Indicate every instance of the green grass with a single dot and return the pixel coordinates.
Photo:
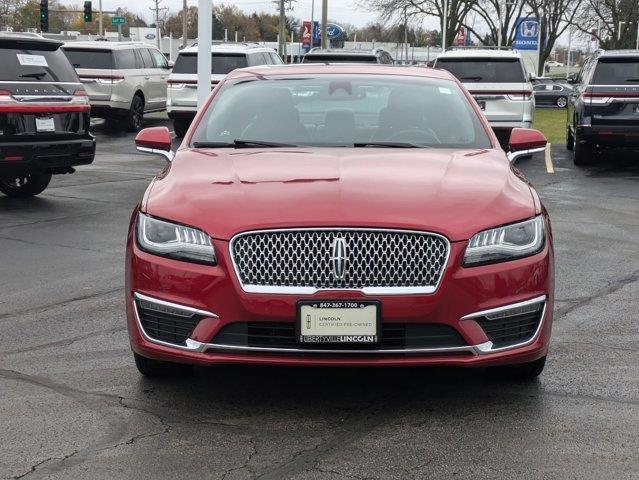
(552, 123)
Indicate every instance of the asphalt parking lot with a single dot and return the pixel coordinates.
(74, 406)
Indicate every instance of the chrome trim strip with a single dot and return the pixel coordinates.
(365, 290)
(167, 154)
(512, 156)
(510, 307)
(177, 306)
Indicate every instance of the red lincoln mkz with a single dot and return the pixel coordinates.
(340, 215)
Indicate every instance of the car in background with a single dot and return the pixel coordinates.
(553, 64)
(552, 94)
(44, 115)
(343, 55)
(125, 80)
(340, 215)
(537, 80)
(181, 104)
(499, 83)
(603, 108)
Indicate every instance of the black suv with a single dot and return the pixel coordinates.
(343, 55)
(44, 115)
(603, 108)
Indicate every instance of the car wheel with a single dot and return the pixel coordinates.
(561, 102)
(135, 116)
(524, 371)
(156, 368)
(180, 126)
(583, 152)
(570, 140)
(24, 186)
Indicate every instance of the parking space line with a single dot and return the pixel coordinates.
(549, 166)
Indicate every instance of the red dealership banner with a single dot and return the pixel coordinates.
(306, 36)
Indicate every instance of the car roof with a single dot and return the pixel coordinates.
(479, 52)
(342, 68)
(343, 51)
(619, 53)
(27, 40)
(107, 45)
(231, 48)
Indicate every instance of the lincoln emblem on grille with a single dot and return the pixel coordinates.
(339, 258)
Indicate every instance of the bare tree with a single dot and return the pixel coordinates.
(499, 17)
(612, 22)
(555, 17)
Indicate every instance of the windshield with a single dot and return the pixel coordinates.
(36, 66)
(342, 110)
(617, 71)
(340, 58)
(484, 70)
(90, 58)
(221, 63)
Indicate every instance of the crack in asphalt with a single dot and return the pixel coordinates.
(38, 244)
(44, 308)
(612, 287)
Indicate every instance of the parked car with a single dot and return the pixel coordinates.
(537, 80)
(124, 80)
(343, 55)
(340, 215)
(553, 64)
(44, 115)
(182, 84)
(499, 83)
(603, 107)
(552, 94)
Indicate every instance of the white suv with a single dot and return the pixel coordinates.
(124, 80)
(181, 104)
(499, 83)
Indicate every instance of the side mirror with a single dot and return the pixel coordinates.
(170, 64)
(155, 140)
(532, 77)
(525, 141)
(571, 79)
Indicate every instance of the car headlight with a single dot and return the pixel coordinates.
(506, 243)
(175, 241)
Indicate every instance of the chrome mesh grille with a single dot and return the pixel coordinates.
(374, 259)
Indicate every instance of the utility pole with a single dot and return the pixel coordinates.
(444, 18)
(204, 36)
(281, 37)
(324, 23)
(100, 27)
(156, 13)
(405, 35)
(185, 11)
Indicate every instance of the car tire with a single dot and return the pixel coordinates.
(561, 102)
(524, 371)
(25, 186)
(570, 140)
(156, 368)
(583, 152)
(135, 116)
(180, 127)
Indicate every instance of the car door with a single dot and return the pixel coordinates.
(159, 76)
(148, 67)
(541, 96)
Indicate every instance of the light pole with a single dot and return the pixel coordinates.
(204, 31)
(281, 46)
(100, 29)
(324, 23)
(444, 17)
(185, 9)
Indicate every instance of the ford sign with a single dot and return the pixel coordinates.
(150, 36)
(334, 32)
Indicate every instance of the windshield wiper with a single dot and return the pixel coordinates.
(239, 143)
(36, 75)
(471, 78)
(389, 145)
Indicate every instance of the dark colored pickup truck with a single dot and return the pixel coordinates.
(44, 115)
(603, 108)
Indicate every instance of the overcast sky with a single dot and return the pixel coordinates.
(338, 10)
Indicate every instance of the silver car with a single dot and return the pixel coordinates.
(499, 83)
(181, 105)
(124, 80)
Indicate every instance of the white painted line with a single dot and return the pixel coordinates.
(549, 166)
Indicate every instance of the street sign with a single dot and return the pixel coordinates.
(118, 20)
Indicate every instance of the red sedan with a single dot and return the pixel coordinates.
(340, 215)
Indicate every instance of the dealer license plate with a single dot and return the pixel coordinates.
(44, 124)
(338, 321)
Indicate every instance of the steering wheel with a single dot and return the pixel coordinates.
(414, 136)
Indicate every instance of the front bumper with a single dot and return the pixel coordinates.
(463, 294)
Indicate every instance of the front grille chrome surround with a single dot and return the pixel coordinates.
(378, 261)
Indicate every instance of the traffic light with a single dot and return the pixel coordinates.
(88, 12)
(44, 15)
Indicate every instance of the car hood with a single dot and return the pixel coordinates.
(453, 192)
